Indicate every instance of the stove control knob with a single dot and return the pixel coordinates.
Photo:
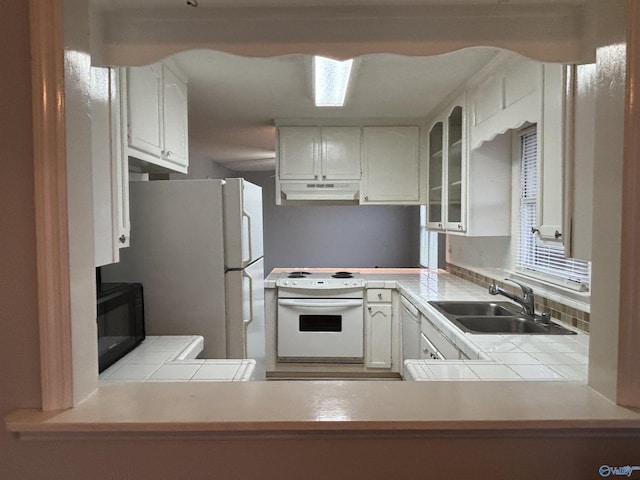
(346, 283)
(285, 282)
(294, 283)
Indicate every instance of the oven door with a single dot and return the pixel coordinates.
(320, 330)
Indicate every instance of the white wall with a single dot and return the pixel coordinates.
(489, 252)
(336, 235)
(480, 252)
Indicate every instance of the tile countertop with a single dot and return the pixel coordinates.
(172, 358)
(492, 357)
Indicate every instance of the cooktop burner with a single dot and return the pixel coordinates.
(342, 275)
(320, 280)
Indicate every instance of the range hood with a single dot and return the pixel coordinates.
(321, 190)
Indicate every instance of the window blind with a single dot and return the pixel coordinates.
(534, 256)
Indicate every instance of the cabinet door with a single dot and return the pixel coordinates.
(551, 154)
(145, 108)
(176, 131)
(435, 219)
(392, 165)
(455, 171)
(109, 168)
(341, 153)
(378, 336)
(119, 156)
(298, 153)
(442, 344)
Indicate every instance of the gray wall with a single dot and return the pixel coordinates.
(336, 235)
(203, 168)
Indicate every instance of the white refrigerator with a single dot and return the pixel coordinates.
(196, 247)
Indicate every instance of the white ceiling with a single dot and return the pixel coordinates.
(233, 100)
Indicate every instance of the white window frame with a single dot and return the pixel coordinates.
(534, 257)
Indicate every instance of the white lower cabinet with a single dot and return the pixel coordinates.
(410, 327)
(378, 329)
(434, 341)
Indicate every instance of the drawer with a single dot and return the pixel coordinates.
(378, 295)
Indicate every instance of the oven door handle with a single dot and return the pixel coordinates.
(332, 304)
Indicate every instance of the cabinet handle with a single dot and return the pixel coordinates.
(169, 153)
(366, 197)
(369, 308)
(439, 225)
(324, 177)
(379, 296)
(557, 234)
(123, 239)
(459, 226)
(535, 230)
(315, 177)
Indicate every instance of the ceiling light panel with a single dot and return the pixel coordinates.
(331, 79)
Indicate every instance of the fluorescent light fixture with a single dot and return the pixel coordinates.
(330, 81)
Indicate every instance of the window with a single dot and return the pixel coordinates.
(428, 242)
(544, 260)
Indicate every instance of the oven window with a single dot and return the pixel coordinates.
(320, 323)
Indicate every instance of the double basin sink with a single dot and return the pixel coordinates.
(496, 318)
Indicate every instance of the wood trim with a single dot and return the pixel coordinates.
(628, 391)
(50, 179)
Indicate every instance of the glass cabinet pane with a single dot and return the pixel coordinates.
(454, 166)
(435, 173)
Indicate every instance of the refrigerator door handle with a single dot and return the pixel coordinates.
(249, 240)
(248, 321)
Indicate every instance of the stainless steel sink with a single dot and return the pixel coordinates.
(513, 325)
(477, 308)
(495, 318)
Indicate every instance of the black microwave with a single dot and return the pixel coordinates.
(120, 321)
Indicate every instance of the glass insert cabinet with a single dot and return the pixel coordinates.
(447, 166)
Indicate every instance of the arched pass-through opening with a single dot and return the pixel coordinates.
(125, 42)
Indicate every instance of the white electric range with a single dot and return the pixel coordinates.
(320, 317)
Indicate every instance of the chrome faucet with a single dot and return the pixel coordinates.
(526, 301)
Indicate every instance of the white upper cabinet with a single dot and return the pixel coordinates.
(581, 103)
(436, 200)
(176, 122)
(354, 164)
(144, 109)
(391, 165)
(340, 153)
(319, 153)
(156, 119)
(551, 146)
(110, 169)
(448, 170)
(456, 173)
(298, 153)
